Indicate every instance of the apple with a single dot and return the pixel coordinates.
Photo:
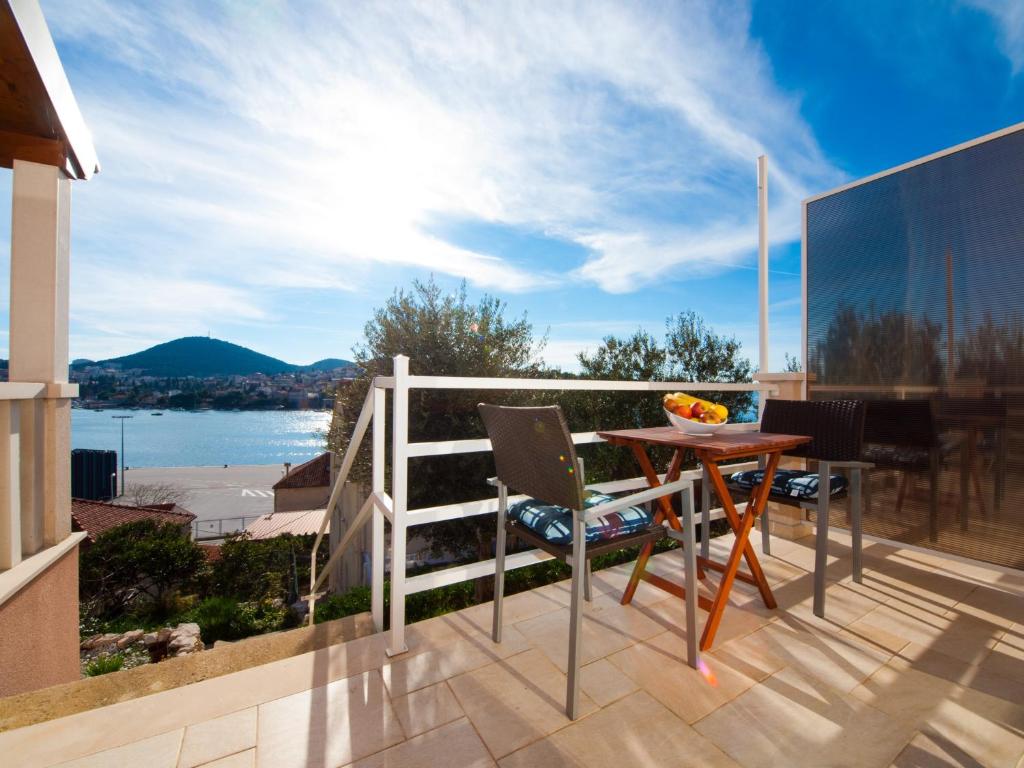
(683, 410)
(697, 409)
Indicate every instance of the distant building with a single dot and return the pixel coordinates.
(307, 486)
(304, 522)
(97, 517)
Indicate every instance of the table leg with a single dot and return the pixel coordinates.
(665, 512)
(741, 546)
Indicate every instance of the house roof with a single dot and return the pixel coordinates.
(302, 523)
(315, 473)
(97, 517)
(39, 117)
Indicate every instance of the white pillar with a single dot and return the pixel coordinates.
(399, 499)
(40, 293)
(377, 534)
(762, 259)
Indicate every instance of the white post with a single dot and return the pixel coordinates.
(40, 265)
(762, 267)
(10, 499)
(377, 532)
(399, 499)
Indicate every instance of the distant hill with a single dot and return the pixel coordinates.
(202, 356)
(327, 364)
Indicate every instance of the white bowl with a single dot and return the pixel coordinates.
(693, 427)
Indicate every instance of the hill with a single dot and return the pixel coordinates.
(327, 364)
(200, 356)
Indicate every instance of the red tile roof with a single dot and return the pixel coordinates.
(315, 473)
(97, 517)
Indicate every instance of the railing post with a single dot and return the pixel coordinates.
(10, 497)
(399, 498)
(377, 531)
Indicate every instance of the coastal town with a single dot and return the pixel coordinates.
(111, 387)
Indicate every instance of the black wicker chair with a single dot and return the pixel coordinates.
(837, 429)
(534, 455)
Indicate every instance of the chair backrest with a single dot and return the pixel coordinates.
(534, 453)
(903, 423)
(835, 426)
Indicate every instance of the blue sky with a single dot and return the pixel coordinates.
(272, 171)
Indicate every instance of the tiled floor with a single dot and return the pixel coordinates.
(921, 665)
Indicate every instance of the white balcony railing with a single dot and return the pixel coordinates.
(35, 482)
(393, 506)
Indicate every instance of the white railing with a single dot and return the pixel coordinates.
(35, 482)
(393, 507)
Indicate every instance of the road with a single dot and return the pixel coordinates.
(217, 492)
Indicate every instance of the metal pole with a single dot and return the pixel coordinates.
(122, 418)
(762, 258)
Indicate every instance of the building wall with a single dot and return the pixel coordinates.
(39, 630)
(295, 499)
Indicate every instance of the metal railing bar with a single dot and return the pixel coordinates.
(596, 385)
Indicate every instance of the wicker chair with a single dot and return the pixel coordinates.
(837, 429)
(534, 455)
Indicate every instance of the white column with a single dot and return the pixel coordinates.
(377, 532)
(40, 277)
(762, 263)
(399, 498)
(10, 498)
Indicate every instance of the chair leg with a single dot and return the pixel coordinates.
(821, 539)
(579, 554)
(588, 595)
(705, 514)
(933, 496)
(690, 559)
(499, 562)
(766, 538)
(855, 523)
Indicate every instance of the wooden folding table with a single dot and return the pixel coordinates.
(710, 450)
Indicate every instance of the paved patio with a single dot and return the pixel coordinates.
(921, 665)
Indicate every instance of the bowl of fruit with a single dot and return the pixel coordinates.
(695, 416)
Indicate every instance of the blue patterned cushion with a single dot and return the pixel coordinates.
(555, 523)
(790, 482)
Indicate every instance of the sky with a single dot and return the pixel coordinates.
(273, 171)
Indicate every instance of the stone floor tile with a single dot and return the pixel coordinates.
(1004, 609)
(659, 667)
(794, 721)
(426, 709)
(403, 674)
(455, 745)
(205, 742)
(327, 726)
(988, 728)
(927, 751)
(516, 701)
(245, 759)
(992, 680)
(636, 731)
(1007, 658)
(155, 752)
(606, 627)
(962, 637)
(603, 682)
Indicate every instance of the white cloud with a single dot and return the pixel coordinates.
(1009, 18)
(268, 145)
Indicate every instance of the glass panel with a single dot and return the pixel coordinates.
(915, 303)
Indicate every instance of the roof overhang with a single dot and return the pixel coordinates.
(39, 117)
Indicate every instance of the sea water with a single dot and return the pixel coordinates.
(203, 438)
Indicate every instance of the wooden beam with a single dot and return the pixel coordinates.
(20, 146)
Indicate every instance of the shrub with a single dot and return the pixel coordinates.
(104, 664)
(135, 563)
(224, 618)
(263, 569)
(356, 600)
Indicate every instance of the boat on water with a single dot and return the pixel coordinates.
(157, 413)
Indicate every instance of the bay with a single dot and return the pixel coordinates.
(203, 438)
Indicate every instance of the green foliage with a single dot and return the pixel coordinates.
(696, 353)
(263, 569)
(793, 364)
(224, 618)
(138, 563)
(356, 600)
(104, 664)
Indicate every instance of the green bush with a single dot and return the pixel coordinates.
(224, 618)
(356, 600)
(263, 569)
(104, 664)
(138, 565)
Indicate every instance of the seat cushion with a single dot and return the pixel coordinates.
(554, 524)
(789, 482)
